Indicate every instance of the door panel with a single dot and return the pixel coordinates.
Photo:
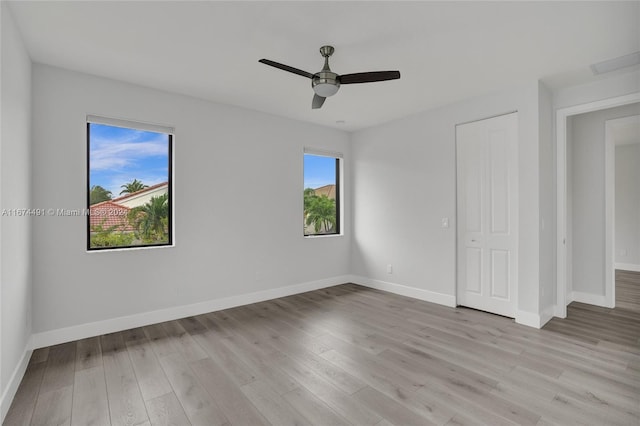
(500, 274)
(487, 238)
(499, 183)
(474, 270)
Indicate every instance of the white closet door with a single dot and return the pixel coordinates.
(487, 185)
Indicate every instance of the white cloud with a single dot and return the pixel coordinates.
(109, 155)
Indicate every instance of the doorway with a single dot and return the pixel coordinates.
(565, 262)
(622, 137)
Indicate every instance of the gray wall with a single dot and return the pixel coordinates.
(404, 183)
(585, 152)
(15, 193)
(547, 196)
(627, 232)
(238, 204)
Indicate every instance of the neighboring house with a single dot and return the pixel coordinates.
(143, 196)
(328, 190)
(115, 212)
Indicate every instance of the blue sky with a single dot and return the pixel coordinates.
(319, 171)
(118, 155)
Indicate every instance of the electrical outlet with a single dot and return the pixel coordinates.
(389, 269)
(445, 222)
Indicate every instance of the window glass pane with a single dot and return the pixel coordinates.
(321, 195)
(129, 187)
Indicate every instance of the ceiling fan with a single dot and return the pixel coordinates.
(326, 83)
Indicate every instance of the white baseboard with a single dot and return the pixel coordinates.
(547, 314)
(534, 320)
(68, 334)
(529, 319)
(559, 312)
(14, 382)
(589, 298)
(403, 290)
(627, 267)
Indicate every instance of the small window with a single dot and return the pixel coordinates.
(321, 209)
(129, 187)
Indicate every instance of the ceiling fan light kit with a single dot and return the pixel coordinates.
(326, 83)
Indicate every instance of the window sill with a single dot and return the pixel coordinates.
(311, 237)
(109, 250)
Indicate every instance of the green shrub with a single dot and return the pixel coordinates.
(105, 239)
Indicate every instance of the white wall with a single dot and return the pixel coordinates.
(627, 223)
(547, 203)
(585, 151)
(238, 200)
(404, 184)
(15, 192)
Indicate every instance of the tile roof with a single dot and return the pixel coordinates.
(328, 190)
(108, 214)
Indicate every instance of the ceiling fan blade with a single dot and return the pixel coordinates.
(369, 77)
(317, 101)
(286, 68)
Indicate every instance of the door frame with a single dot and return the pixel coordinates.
(563, 279)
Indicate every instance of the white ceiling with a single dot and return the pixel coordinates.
(445, 51)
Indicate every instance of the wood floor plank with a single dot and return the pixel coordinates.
(151, 378)
(189, 349)
(192, 326)
(166, 410)
(213, 324)
(39, 355)
(389, 409)
(237, 370)
(21, 410)
(60, 367)
(88, 353)
(337, 400)
(53, 408)
(253, 358)
(273, 406)
(376, 372)
(126, 405)
(313, 408)
(162, 344)
(226, 392)
(90, 405)
(198, 405)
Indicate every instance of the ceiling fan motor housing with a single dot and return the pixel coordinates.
(325, 83)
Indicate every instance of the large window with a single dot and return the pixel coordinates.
(129, 188)
(321, 209)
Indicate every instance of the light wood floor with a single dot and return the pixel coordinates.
(339, 356)
(628, 290)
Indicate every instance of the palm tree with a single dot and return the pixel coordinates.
(309, 196)
(133, 186)
(98, 194)
(151, 219)
(322, 214)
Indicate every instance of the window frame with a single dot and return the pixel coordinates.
(132, 125)
(339, 158)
